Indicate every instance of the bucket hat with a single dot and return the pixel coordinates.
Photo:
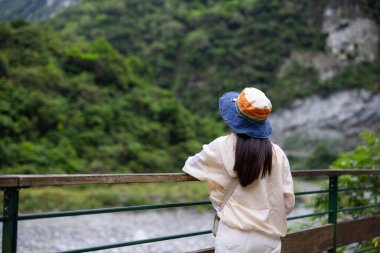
(247, 112)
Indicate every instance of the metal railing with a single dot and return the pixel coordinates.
(12, 184)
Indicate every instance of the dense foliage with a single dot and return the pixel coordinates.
(366, 156)
(200, 49)
(97, 94)
(69, 108)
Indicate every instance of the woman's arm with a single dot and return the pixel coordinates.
(200, 164)
(287, 180)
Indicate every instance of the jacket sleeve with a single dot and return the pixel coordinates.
(287, 180)
(200, 164)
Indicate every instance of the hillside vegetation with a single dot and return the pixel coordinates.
(200, 49)
(74, 108)
(132, 86)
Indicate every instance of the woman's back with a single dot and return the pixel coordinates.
(253, 217)
(261, 205)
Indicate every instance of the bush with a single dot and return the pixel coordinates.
(366, 156)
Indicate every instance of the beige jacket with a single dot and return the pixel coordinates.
(262, 205)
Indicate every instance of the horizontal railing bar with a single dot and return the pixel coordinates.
(311, 192)
(160, 206)
(119, 245)
(81, 179)
(326, 172)
(107, 210)
(148, 207)
(357, 207)
(368, 249)
(356, 189)
(9, 181)
(309, 215)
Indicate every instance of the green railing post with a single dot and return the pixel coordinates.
(333, 207)
(10, 213)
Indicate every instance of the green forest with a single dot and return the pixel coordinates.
(200, 49)
(132, 86)
(71, 108)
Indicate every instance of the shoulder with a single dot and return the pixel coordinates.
(223, 140)
(278, 152)
(277, 148)
(280, 157)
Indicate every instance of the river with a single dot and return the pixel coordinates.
(65, 233)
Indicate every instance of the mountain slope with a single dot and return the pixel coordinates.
(67, 108)
(199, 49)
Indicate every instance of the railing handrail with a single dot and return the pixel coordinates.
(11, 184)
(21, 181)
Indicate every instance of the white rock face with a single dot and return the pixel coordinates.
(351, 35)
(355, 39)
(50, 7)
(339, 116)
(61, 3)
(352, 38)
(327, 65)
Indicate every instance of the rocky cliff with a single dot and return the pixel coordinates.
(338, 117)
(31, 10)
(351, 38)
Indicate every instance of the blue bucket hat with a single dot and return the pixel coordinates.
(247, 112)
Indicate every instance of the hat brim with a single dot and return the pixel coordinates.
(237, 123)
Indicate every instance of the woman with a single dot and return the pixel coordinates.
(254, 215)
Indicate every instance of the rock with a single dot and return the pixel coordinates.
(351, 35)
(352, 38)
(337, 117)
(61, 3)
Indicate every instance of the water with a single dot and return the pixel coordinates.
(65, 233)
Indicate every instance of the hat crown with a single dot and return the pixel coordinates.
(257, 98)
(253, 105)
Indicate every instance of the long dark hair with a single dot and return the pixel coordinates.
(253, 157)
